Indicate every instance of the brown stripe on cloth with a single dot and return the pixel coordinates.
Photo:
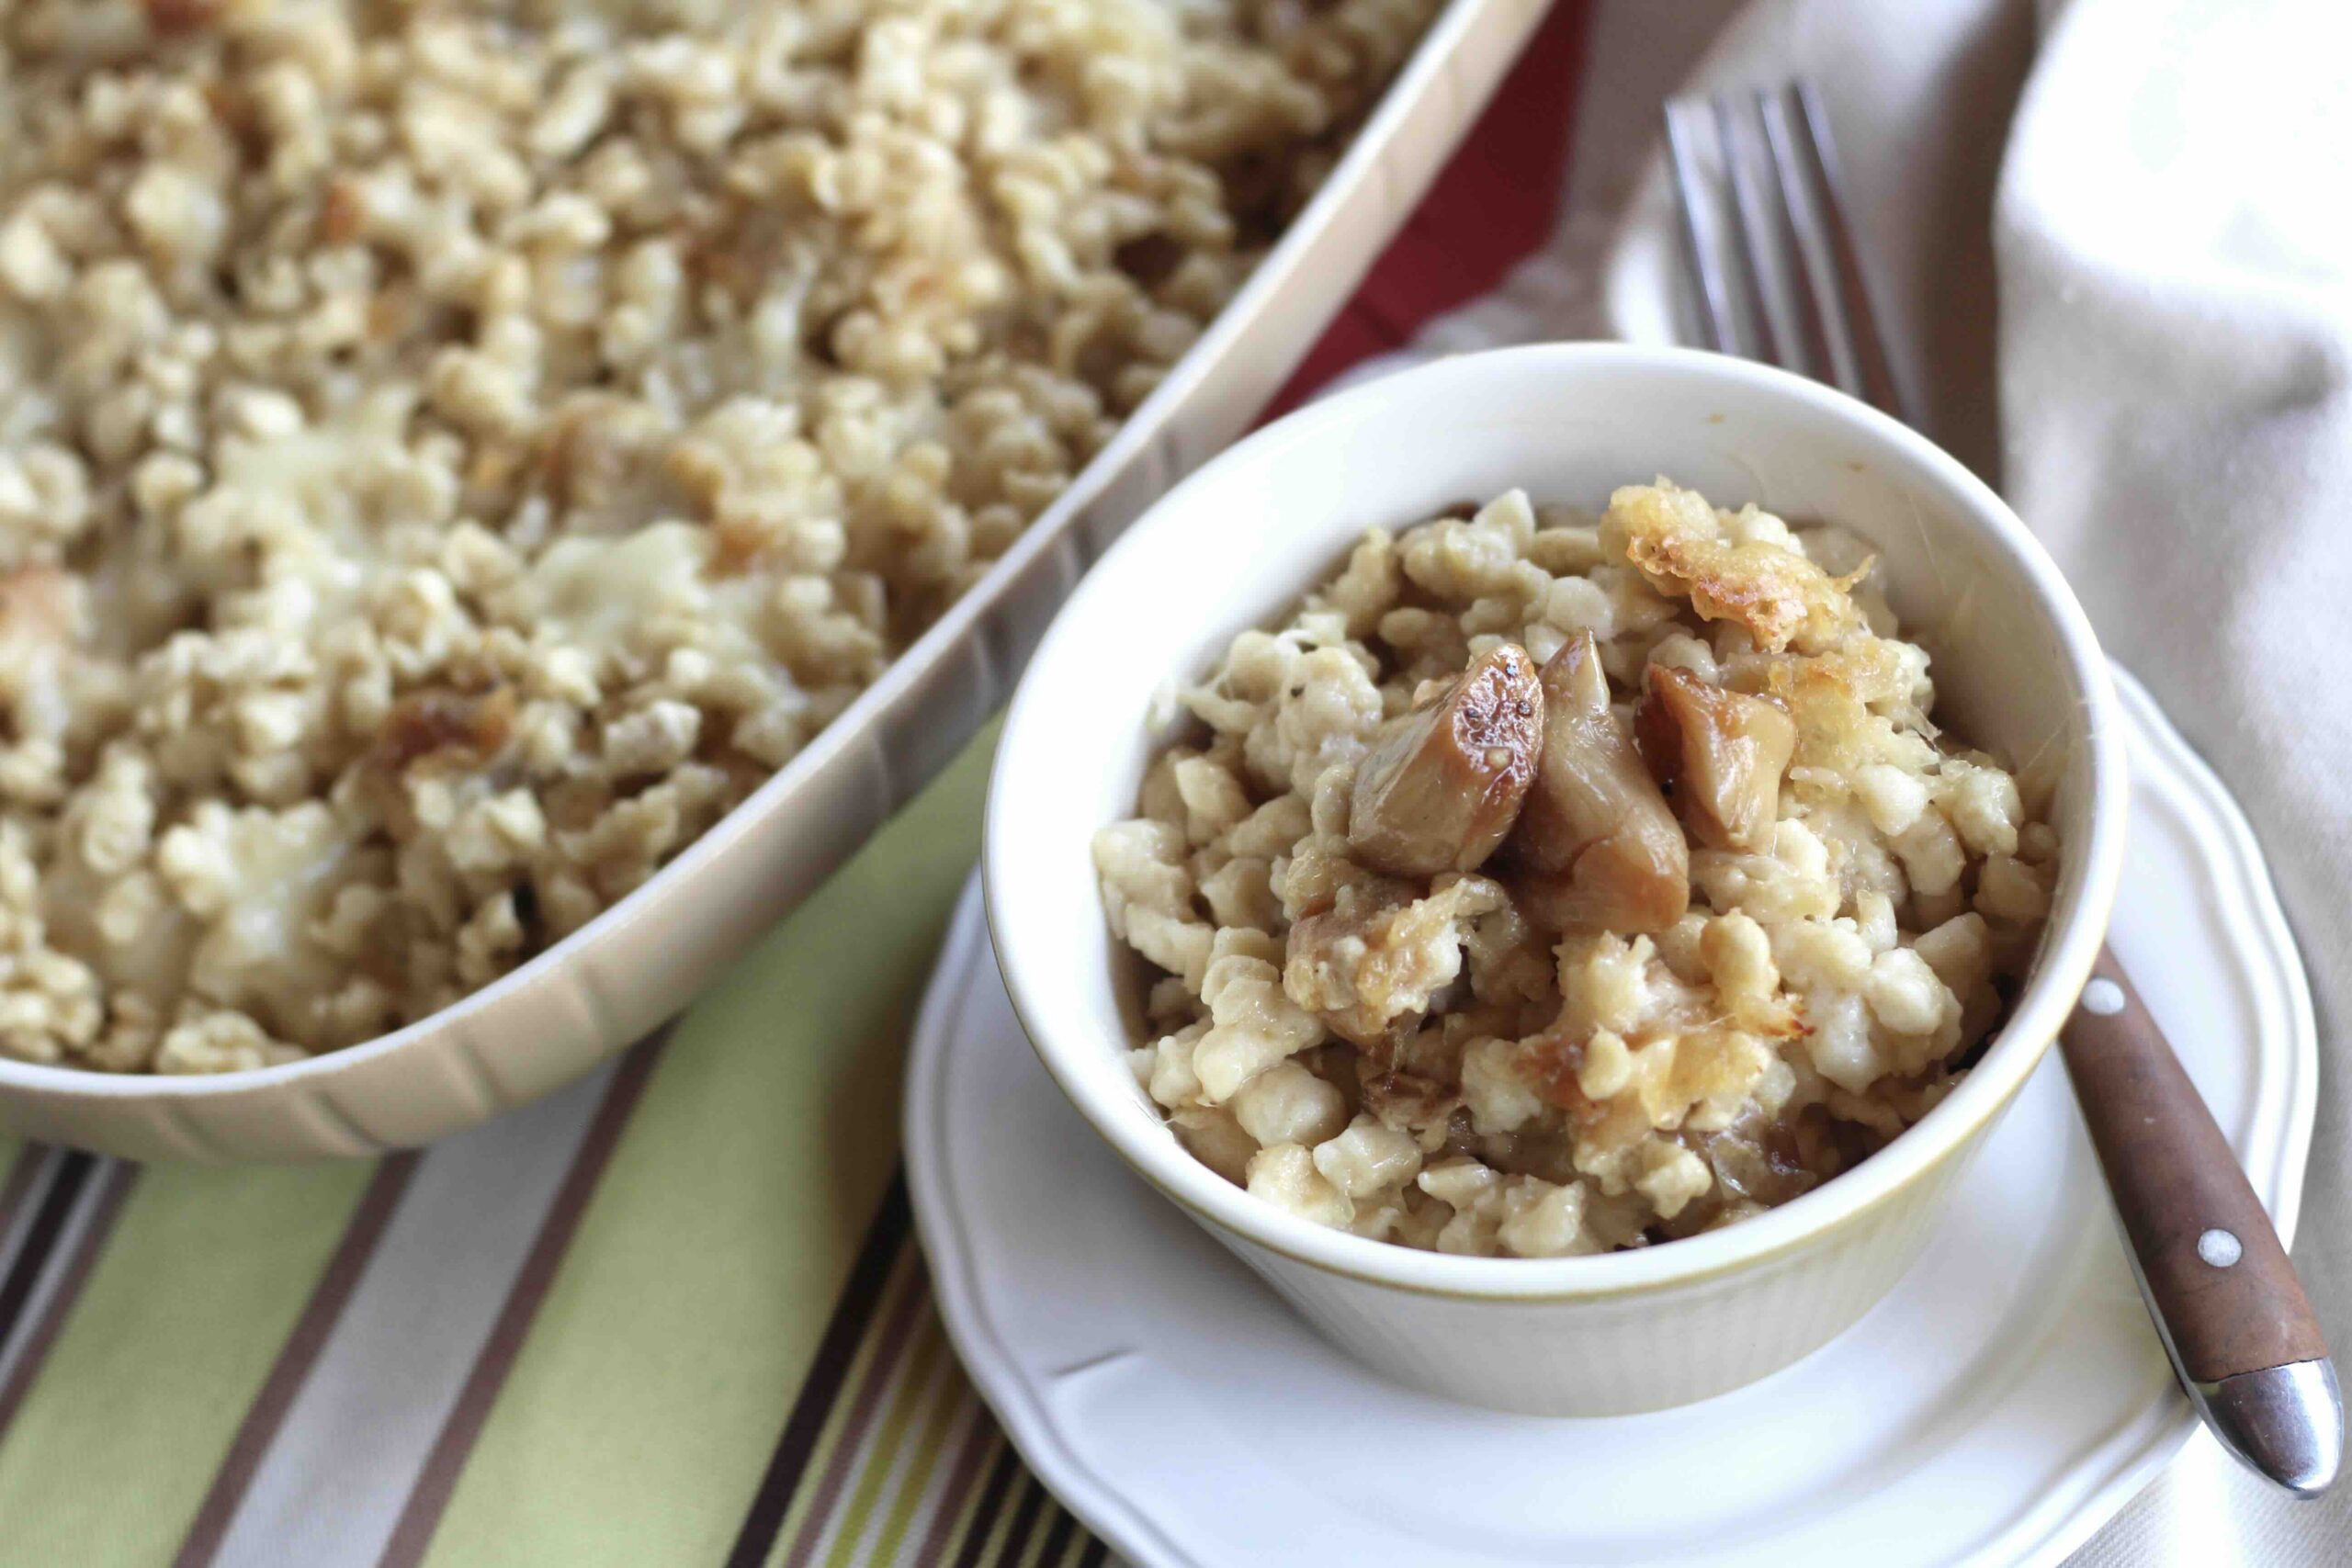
(1095, 1555)
(1004, 1476)
(72, 1171)
(20, 1182)
(296, 1357)
(865, 1402)
(114, 1185)
(1057, 1539)
(962, 1472)
(853, 1313)
(438, 1480)
(1024, 1519)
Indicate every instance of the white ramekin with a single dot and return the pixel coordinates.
(2017, 669)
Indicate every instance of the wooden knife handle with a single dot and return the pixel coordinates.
(2212, 1266)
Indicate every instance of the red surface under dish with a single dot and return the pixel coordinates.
(1495, 204)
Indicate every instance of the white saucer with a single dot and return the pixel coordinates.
(1998, 1407)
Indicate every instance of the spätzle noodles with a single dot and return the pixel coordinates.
(1729, 914)
(451, 455)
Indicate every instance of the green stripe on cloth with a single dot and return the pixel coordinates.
(835, 1443)
(120, 1435)
(643, 1411)
(991, 1506)
(959, 1487)
(949, 1402)
(914, 1381)
(11, 1147)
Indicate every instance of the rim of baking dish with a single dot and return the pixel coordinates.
(2085, 894)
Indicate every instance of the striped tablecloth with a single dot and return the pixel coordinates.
(673, 1314)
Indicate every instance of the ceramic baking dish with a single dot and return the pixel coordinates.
(609, 983)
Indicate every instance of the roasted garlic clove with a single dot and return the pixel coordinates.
(1444, 787)
(1596, 845)
(1722, 754)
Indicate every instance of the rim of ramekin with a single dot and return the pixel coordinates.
(2070, 946)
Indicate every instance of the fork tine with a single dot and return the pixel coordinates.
(1811, 352)
(1878, 384)
(1748, 226)
(1828, 344)
(1706, 272)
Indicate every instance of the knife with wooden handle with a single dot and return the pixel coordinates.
(2233, 1315)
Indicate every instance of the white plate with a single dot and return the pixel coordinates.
(1997, 1408)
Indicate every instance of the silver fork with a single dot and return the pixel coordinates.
(1776, 275)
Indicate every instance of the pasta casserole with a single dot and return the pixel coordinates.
(453, 451)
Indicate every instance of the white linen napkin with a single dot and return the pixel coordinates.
(2174, 244)
(2159, 193)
